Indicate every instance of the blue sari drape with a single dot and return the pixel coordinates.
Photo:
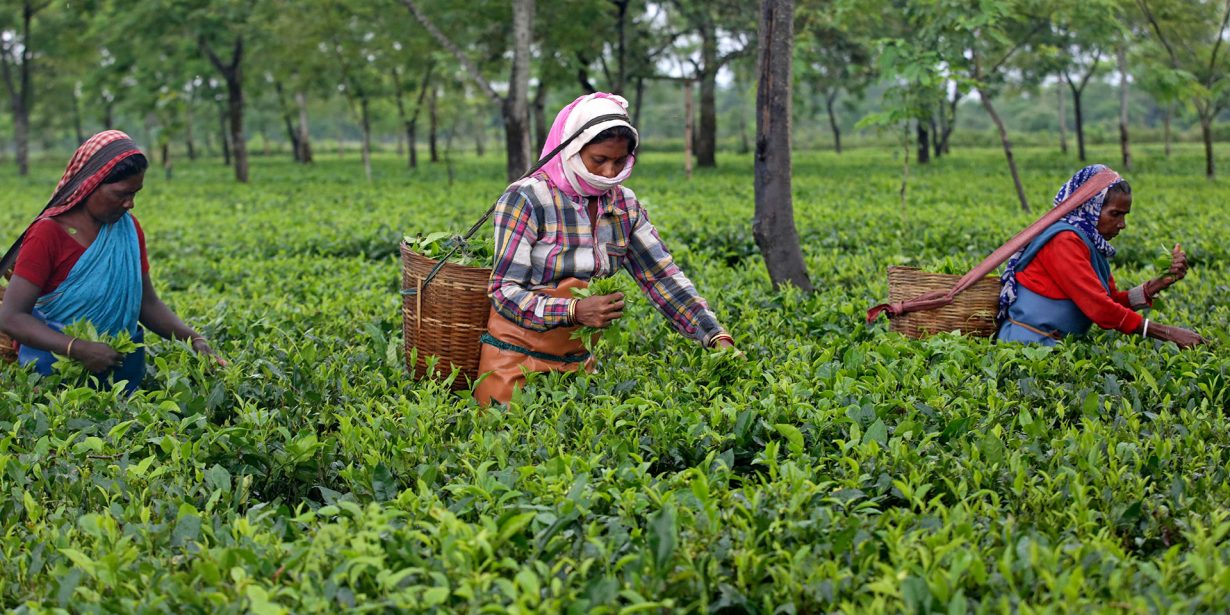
(105, 288)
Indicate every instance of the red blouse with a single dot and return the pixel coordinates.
(1061, 270)
(49, 253)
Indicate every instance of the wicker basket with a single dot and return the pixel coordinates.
(8, 348)
(972, 312)
(446, 319)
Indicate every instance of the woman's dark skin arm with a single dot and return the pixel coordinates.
(18, 321)
(159, 318)
(1184, 338)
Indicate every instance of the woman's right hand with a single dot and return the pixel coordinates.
(96, 356)
(600, 311)
(1184, 338)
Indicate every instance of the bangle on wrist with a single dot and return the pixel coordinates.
(1145, 332)
(193, 339)
(68, 352)
(713, 341)
(572, 311)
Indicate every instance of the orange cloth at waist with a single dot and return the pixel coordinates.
(502, 371)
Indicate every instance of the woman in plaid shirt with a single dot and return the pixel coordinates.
(568, 223)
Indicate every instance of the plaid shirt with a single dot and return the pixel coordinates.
(542, 236)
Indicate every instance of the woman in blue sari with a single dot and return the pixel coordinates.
(84, 259)
(1060, 284)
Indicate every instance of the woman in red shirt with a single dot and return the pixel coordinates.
(84, 258)
(1060, 284)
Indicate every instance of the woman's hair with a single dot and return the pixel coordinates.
(1122, 187)
(617, 132)
(129, 167)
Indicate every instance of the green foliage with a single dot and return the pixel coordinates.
(478, 251)
(838, 468)
(591, 336)
(72, 371)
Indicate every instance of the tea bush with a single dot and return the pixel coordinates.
(836, 468)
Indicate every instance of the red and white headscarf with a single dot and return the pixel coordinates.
(566, 170)
(89, 166)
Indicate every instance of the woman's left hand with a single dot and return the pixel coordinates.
(1177, 271)
(202, 347)
(1178, 264)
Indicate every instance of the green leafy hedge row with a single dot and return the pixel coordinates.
(838, 468)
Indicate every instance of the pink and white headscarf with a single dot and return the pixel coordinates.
(566, 170)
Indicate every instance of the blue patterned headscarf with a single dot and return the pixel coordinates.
(1084, 218)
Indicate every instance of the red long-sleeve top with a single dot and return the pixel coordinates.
(1061, 270)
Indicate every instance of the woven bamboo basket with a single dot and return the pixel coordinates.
(8, 349)
(972, 312)
(446, 319)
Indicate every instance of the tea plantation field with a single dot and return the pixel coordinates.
(838, 468)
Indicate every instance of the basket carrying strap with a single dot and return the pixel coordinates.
(940, 298)
(490, 210)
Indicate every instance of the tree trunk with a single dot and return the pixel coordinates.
(239, 145)
(223, 133)
(432, 135)
(286, 119)
(924, 142)
(479, 142)
(78, 132)
(233, 74)
(1124, 145)
(21, 93)
(1080, 123)
(1003, 138)
(541, 127)
(366, 125)
(412, 123)
(166, 158)
(745, 145)
(621, 27)
(706, 133)
(688, 132)
(950, 122)
(936, 151)
(773, 224)
(412, 142)
(21, 139)
(1166, 127)
(189, 141)
(109, 114)
(1206, 131)
(1063, 121)
(305, 141)
(829, 99)
(516, 106)
(905, 166)
(399, 98)
(640, 100)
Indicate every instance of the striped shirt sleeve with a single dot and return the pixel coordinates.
(661, 280)
(516, 230)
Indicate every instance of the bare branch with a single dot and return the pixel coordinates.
(452, 48)
(418, 105)
(1020, 45)
(209, 53)
(1157, 29)
(1093, 67)
(1217, 45)
(737, 53)
(7, 71)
